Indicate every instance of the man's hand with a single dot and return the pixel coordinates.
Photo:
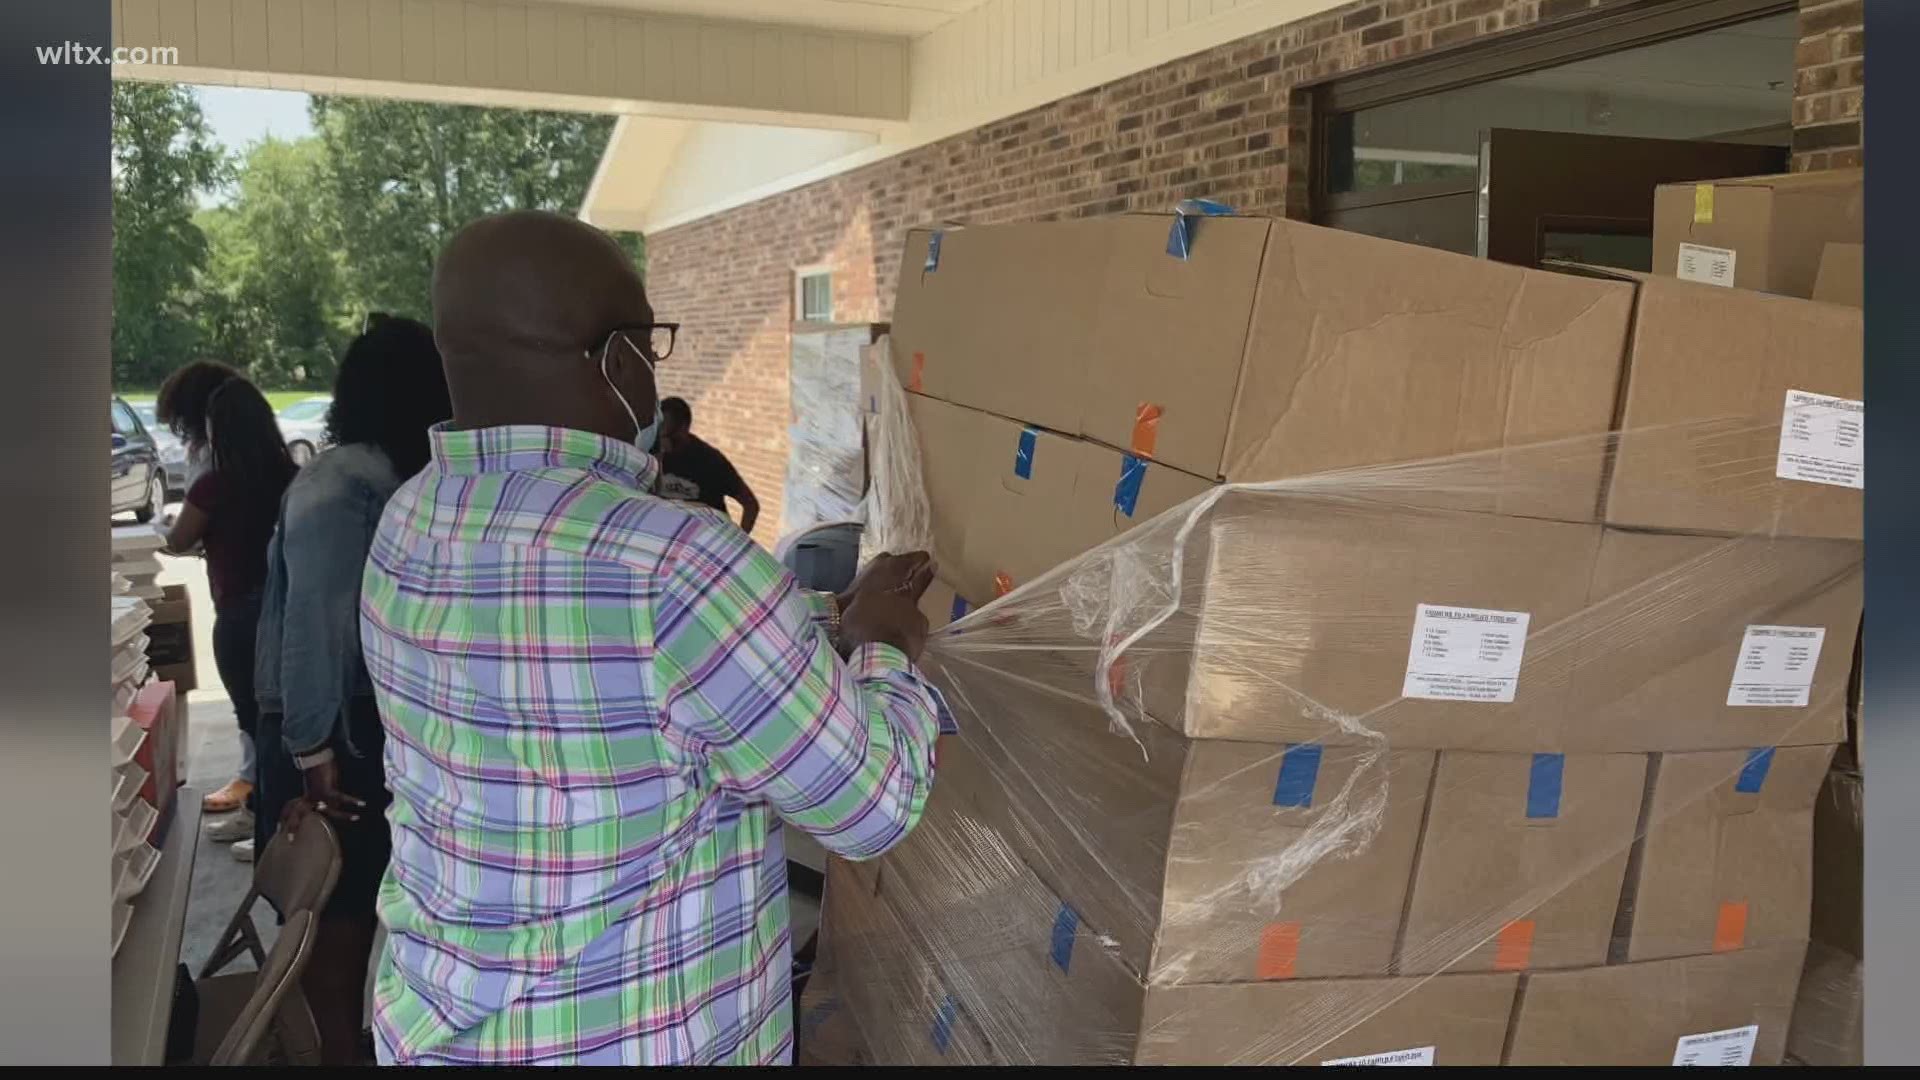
(910, 573)
(884, 604)
(324, 797)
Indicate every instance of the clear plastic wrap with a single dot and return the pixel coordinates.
(897, 515)
(826, 465)
(1827, 1018)
(1355, 765)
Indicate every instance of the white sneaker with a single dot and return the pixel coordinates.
(243, 850)
(229, 828)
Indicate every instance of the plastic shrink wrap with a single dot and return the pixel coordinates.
(1357, 766)
(825, 457)
(1826, 1020)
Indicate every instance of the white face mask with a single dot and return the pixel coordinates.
(643, 437)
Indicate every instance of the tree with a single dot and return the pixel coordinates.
(405, 175)
(162, 158)
(276, 307)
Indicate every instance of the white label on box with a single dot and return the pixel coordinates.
(1733, 1046)
(1418, 1056)
(1823, 440)
(1706, 265)
(1775, 666)
(1465, 654)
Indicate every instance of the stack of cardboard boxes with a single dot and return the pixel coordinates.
(1481, 720)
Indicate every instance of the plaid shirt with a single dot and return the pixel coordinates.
(596, 704)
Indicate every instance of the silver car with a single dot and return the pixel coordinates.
(173, 452)
(304, 425)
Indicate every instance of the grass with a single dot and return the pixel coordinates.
(279, 399)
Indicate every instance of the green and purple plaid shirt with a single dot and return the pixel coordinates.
(599, 705)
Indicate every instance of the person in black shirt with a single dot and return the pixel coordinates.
(693, 471)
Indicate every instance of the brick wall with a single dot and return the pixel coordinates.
(1218, 124)
(1829, 88)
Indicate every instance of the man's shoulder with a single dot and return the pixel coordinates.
(568, 512)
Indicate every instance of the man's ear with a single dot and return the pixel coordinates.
(634, 376)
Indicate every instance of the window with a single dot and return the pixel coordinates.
(813, 294)
(1399, 152)
(124, 422)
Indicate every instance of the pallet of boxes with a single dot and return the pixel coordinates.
(147, 724)
(1476, 718)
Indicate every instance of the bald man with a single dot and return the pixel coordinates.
(601, 705)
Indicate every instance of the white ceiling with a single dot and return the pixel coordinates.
(892, 18)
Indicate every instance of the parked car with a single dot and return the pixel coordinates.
(173, 452)
(304, 425)
(139, 481)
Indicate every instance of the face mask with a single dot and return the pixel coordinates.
(643, 437)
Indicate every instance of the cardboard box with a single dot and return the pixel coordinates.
(1827, 1017)
(1827, 1014)
(1742, 414)
(1731, 1008)
(1724, 859)
(1843, 275)
(1011, 501)
(1764, 232)
(1299, 349)
(1205, 861)
(1326, 618)
(958, 955)
(1521, 861)
(170, 639)
(1444, 1020)
(995, 317)
(942, 604)
(1707, 643)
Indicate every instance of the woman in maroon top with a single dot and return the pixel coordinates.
(229, 514)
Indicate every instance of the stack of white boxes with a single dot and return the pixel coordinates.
(144, 751)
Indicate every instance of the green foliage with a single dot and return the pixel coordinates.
(406, 175)
(163, 157)
(276, 306)
(317, 232)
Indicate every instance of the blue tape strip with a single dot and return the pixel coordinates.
(959, 610)
(1543, 785)
(943, 1017)
(1299, 772)
(1753, 775)
(1023, 457)
(1126, 493)
(1185, 213)
(1065, 926)
(933, 251)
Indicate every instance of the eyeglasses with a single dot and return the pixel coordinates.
(659, 337)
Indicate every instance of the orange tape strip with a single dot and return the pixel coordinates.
(1730, 930)
(1515, 946)
(1279, 948)
(1146, 428)
(919, 370)
(1117, 672)
(1002, 584)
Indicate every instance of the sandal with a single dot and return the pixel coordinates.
(228, 799)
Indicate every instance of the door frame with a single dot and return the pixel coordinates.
(1561, 41)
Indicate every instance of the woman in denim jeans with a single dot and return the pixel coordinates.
(182, 406)
(229, 516)
(320, 735)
